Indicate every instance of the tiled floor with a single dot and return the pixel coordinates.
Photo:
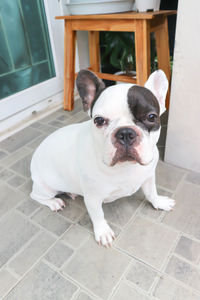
(46, 255)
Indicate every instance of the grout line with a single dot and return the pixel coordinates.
(115, 288)
(21, 250)
(37, 261)
(80, 285)
(74, 297)
(12, 272)
(165, 262)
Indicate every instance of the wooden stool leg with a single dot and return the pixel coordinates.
(162, 46)
(69, 66)
(94, 51)
(142, 50)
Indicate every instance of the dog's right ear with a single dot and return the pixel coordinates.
(89, 87)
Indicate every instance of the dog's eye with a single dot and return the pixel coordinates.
(99, 121)
(152, 118)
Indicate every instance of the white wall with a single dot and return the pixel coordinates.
(183, 136)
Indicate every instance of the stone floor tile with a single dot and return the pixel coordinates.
(63, 118)
(6, 282)
(8, 198)
(167, 289)
(22, 166)
(183, 271)
(147, 241)
(59, 254)
(28, 207)
(26, 188)
(141, 275)
(15, 232)
(52, 221)
(56, 123)
(47, 129)
(75, 236)
(116, 229)
(149, 211)
(125, 292)
(72, 212)
(120, 211)
(84, 296)
(80, 117)
(185, 216)
(79, 201)
(85, 222)
(33, 145)
(168, 176)
(2, 154)
(25, 259)
(6, 174)
(36, 124)
(19, 139)
(99, 269)
(16, 181)
(193, 177)
(14, 157)
(43, 283)
(188, 249)
(50, 117)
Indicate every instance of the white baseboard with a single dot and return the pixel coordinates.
(30, 115)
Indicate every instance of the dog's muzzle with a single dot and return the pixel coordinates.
(125, 139)
(126, 136)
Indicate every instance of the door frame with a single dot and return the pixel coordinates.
(22, 100)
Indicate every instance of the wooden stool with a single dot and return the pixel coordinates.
(140, 23)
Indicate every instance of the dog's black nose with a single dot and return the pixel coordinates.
(126, 136)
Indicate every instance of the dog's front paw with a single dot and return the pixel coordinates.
(162, 202)
(55, 204)
(103, 234)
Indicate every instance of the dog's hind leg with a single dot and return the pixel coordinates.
(46, 196)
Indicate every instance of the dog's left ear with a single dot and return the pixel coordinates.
(89, 87)
(157, 83)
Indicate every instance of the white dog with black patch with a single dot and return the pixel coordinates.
(108, 157)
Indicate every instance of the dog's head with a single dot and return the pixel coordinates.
(126, 117)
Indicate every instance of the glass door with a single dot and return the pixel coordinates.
(30, 59)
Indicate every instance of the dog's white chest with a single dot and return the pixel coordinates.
(119, 193)
(128, 184)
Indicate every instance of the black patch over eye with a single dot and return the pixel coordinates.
(145, 108)
(151, 121)
(152, 117)
(99, 121)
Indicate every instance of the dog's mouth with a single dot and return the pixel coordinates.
(126, 154)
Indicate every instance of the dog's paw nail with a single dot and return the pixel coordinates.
(55, 204)
(104, 234)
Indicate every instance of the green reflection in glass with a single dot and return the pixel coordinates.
(25, 50)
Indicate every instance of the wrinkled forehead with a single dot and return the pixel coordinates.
(113, 102)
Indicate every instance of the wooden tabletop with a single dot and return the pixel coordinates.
(125, 15)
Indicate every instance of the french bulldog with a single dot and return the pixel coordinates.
(108, 157)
